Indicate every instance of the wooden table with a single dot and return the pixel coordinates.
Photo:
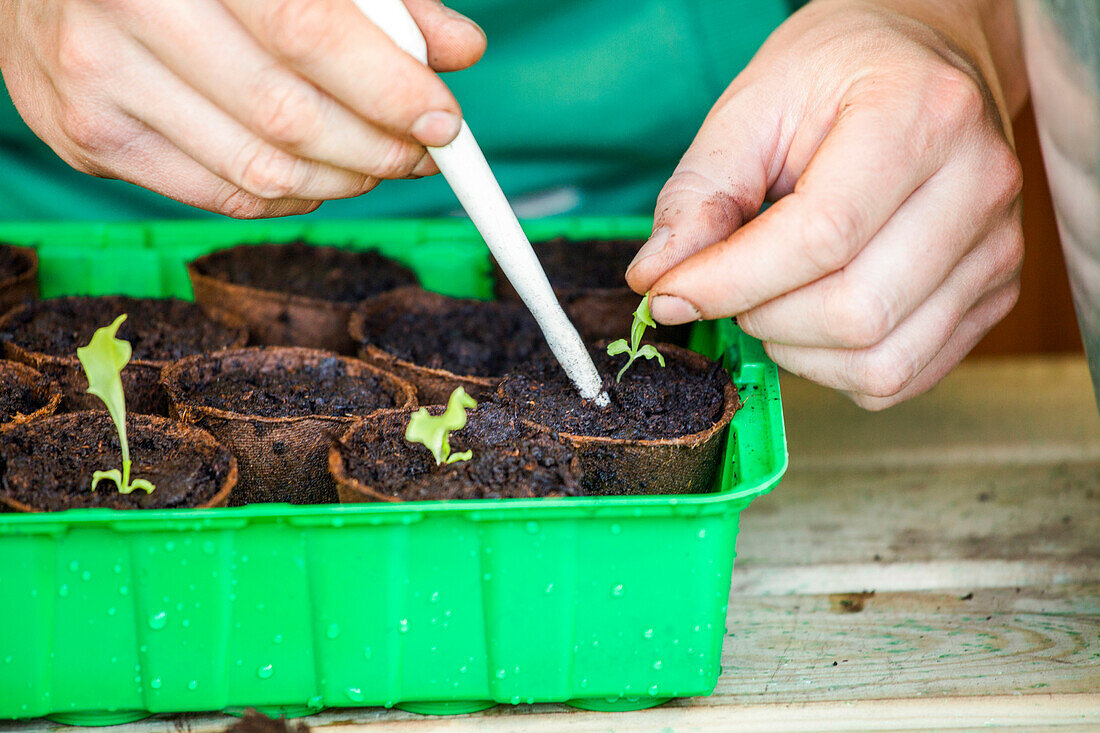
(932, 566)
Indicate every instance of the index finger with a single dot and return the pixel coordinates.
(862, 172)
(334, 45)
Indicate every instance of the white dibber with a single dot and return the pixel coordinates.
(466, 170)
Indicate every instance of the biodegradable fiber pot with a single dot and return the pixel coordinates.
(294, 294)
(47, 464)
(278, 409)
(439, 343)
(46, 334)
(18, 276)
(25, 394)
(372, 461)
(662, 434)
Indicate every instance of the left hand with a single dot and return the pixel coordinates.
(882, 132)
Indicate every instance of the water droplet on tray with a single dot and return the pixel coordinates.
(265, 672)
(355, 694)
(617, 590)
(193, 685)
(156, 683)
(653, 690)
(658, 664)
(63, 590)
(532, 527)
(403, 625)
(333, 631)
(158, 620)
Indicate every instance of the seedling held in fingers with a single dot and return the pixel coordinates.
(103, 359)
(642, 320)
(434, 432)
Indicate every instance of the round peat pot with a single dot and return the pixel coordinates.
(626, 459)
(18, 276)
(25, 394)
(278, 408)
(46, 334)
(588, 277)
(294, 294)
(48, 464)
(372, 461)
(439, 343)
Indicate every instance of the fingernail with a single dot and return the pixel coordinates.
(654, 245)
(426, 167)
(671, 310)
(437, 128)
(455, 15)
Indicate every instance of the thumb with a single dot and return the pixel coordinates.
(719, 184)
(454, 41)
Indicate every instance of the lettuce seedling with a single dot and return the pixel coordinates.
(103, 359)
(642, 319)
(434, 432)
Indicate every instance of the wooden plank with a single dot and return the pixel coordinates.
(987, 411)
(1032, 713)
(838, 529)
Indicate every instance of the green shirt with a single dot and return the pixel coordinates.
(581, 107)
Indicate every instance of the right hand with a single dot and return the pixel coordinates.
(249, 108)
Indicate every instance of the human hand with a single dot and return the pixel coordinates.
(250, 108)
(882, 134)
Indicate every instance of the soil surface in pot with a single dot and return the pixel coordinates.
(650, 403)
(20, 398)
(478, 338)
(52, 470)
(158, 330)
(324, 388)
(510, 460)
(297, 268)
(13, 263)
(586, 264)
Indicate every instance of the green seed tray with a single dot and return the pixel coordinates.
(437, 607)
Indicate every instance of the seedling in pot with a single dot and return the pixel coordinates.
(434, 432)
(103, 360)
(642, 320)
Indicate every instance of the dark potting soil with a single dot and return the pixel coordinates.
(323, 388)
(478, 338)
(19, 398)
(650, 403)
(297, 268)
(13, 263)
(158, 330)
(51, 469)
(510, 460)
(586, 264)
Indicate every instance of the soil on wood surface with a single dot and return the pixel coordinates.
(323, 388)
(13, 263)
(48, 464)
(254, 721)
(650, 403)
(586, 264)
(19, 398)
(297, 268)
(158, 330)
(478, 338)
(509, 460)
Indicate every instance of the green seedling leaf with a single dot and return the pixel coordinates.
(103, 360)
(434, 431)
(617, 347)
(642, 320)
